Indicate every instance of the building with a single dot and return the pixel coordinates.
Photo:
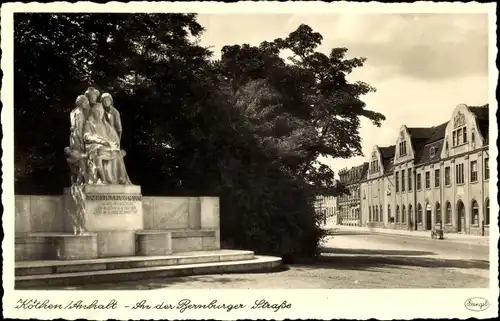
(377, 188)
(327, 207)
(434, 177)
(350, 204)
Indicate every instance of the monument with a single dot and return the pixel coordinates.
(101, 200)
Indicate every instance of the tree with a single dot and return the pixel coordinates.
(303, 109)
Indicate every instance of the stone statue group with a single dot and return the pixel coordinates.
(94, 154)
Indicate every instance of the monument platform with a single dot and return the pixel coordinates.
(30, 274)
(114, 213)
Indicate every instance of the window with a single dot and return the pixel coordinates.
(397, 213)
(459, 136)
(403, 215)
(409, 181)
(389, 214)
(381, 214)
(438, 214)
(376, 214)
(427, 179)
(475, 213)
(447, 176)
(409, 212)
(419, 182)
(374, 166)
(403, 180)
(487, 212)
(419, 213)
(437, 177)
(397, 182)
(402, 148)
(448, 213)
(486, 168)
(432, 152)
(473, 171)
(369, 214)
(459, 174)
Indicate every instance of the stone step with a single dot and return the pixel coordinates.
(27, 268)
(43, 281)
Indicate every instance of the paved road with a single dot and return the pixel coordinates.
(353, 260)
(344, 239)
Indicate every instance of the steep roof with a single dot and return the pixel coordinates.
(387, 154)
(430, 152)
(421, 132)
(364, 171)
(355, 174)
(439, 133)
(483, 119)
(389, 165)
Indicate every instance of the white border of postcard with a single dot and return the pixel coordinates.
(315, 304)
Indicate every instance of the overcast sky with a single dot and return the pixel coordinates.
(422, 65)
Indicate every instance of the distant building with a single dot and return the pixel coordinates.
(326, 207)
(350, 205)
(431, 178)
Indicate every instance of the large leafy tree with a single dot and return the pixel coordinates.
(300, 108)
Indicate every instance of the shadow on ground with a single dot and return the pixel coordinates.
(360, 259)
(335, 232)
(329, 250)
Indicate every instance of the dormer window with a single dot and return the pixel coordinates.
(432, 152)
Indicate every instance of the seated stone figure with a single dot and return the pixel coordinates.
(101, 144)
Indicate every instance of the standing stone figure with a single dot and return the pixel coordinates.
(93, 95)
(113, 116)
(76, 157)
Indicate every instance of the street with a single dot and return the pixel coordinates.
(353, 259)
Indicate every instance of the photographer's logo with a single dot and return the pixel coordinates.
(476, 304)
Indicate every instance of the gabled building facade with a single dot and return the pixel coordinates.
(350, 205)
(376, 189)
(435, 177)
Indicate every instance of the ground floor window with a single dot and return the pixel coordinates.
(419, 213)
(448, 213)
(403, 215)
(475, 213)
(437, 218)
(397, 214)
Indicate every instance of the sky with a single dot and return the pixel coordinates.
(422, 65)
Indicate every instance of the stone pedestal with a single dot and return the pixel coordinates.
(114, 212)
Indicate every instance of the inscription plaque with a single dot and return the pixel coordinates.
(116, 204)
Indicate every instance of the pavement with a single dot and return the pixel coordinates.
(351, 260)
(448, 237)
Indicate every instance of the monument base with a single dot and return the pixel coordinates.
(113, 212)
(56, 246)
